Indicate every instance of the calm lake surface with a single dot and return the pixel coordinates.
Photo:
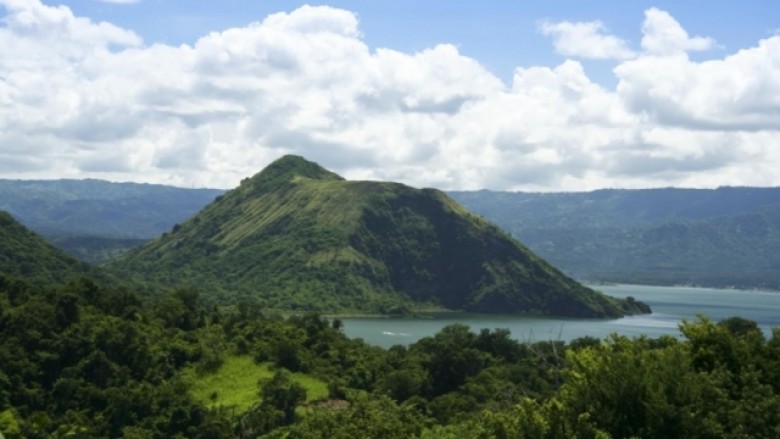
(670, 306)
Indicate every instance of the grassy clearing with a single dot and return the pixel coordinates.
(234, 384)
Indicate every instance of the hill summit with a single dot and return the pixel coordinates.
(299, 237)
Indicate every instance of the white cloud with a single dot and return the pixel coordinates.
(663, 35)
(586, 40)
(738, 92)
(86, 99)
(30, 20)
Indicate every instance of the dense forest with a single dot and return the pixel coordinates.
(80, 360)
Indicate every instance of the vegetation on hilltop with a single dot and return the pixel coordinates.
(301, 238)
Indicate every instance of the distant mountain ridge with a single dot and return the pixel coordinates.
(725, 237)
(617, 207)
(97, 220)
(712, 237)
(302, 238)
(100, 208)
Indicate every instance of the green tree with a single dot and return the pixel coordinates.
(282, 394)
(451, 356)
(368, 416)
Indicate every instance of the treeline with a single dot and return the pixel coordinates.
(89, 361)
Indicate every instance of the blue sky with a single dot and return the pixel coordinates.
(501, 34)
(538, 96)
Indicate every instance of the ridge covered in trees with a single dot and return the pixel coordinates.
(301, 238)
(725, 237)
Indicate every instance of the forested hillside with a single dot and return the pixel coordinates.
(301, 238)
(97, 220)
(724, 237)
(100, 208)
(25, 254)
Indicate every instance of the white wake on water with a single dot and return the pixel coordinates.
(396, 334)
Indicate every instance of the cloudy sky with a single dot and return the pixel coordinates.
(538, 96)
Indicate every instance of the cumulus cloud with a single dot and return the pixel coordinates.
(29, 21)
(80, 98)
(663, 35)
(738, 92)
(586, 40)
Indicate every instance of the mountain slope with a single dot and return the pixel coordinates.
(734, 251)
(100, 208)
(302, 238)
(24, 254)
(725, 237)
(95, 220)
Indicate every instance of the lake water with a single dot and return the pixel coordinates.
(670, 306)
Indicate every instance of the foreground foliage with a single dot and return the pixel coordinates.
(82, 360)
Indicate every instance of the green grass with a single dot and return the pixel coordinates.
(234, 384)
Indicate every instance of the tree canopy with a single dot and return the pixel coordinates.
(87, 360)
